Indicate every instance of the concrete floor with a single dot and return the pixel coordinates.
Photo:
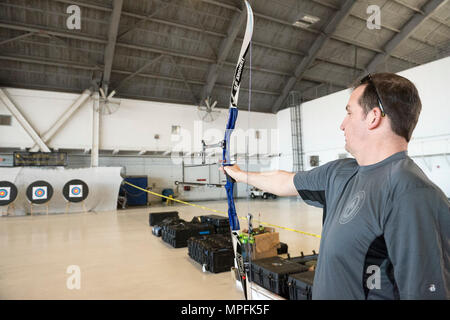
(119, 258)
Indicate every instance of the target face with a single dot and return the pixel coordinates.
(5, 193)
(8, 193)
(39, 193)
(76, 191)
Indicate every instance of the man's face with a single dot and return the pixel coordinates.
(354, 125)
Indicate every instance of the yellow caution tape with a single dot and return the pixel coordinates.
(218, 211)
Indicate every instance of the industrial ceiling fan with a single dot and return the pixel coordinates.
(107, 104)
(207, 112)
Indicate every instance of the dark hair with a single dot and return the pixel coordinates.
(400, 100)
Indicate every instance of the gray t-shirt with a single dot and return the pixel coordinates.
(386, 230)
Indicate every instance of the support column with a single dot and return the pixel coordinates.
(95, 129)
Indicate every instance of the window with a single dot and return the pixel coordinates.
(176, 130)
(5, 120)
(314, 161)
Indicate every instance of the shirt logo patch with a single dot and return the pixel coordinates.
(352, 208)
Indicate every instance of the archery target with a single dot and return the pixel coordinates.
(8, 192)
(39, 192)
(5, 193)
(75, 190)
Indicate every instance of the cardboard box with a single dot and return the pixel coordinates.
(266, 244)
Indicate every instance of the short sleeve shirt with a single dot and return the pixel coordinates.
(386, 230)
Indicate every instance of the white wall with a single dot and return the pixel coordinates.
(431, 138)
(133, 127)
(285, 161)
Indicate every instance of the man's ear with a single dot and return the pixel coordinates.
(374, 118)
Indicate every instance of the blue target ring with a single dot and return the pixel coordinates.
(76, 191)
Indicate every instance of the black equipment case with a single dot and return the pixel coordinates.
(302, 259)
(157, 229)
(155, 218)
(177, 234)
(221, 224)
(283, 248)
(300, 285)
(214, 252)
(272, 273)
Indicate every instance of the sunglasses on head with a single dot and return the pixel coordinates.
(368, 79)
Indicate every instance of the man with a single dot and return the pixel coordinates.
(386, 229)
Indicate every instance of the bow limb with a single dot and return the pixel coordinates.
(233, 113)
(232, 117)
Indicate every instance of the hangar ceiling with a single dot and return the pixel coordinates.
(183, 51)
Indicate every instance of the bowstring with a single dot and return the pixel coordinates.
(249, 245)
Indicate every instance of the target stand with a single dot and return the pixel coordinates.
(8, 193)
(75, 191)
(39, 193)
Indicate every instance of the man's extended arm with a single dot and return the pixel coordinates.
(277, 182)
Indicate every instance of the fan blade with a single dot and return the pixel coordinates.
(102, 93)
(113, 100)
(111, 94)
(107, 108)
(214, 105)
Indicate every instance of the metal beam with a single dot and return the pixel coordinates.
(73, 50)
(49, 62)
(12, 107)
(310, 30)
(26, 35)
(41, 30)
(148, 64)
(110, 47)
(167, 52)
(86, 5)
(354, 14)
(77, 65)
(225, 47)
(339, 16)
(405, 32)
(141, 21)
(218, 34)
(194, 97)
(78, 103)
